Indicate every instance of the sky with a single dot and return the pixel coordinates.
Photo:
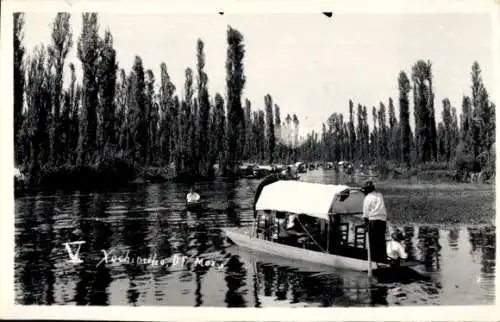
(311, 65)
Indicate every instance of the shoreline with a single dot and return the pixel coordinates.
(106, 177)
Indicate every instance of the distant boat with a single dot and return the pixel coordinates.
(301, 167)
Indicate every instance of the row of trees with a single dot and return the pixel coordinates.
(467, 142)
(130, 117)
(114, 115)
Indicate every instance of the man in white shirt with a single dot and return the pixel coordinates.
(192, 196)
(375, 215)
(395, 250)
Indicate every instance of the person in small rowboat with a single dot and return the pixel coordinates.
(375, 216)
(192, 196)
(395, 249)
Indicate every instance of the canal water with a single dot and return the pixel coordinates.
(141, 247)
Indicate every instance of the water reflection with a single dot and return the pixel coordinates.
(483, 244)
(429, 246)
(36, 235)
(235, 282)
(453, 236)
(409, 233)
(150, 220)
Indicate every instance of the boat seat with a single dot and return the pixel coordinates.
(359, 236)
(344, 234)
(302, 241)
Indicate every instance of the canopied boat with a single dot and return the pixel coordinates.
(308, 221)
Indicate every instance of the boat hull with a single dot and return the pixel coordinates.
(244, 240)
(194, 206)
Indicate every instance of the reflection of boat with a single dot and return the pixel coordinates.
(194, 206)
(368, 175)
(323, 206)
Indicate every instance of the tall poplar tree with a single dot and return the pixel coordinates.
(352, 132)
(425, 125)
(404, 118)
(62, 41)
(38, 96)
(88, 53)
(394, 135)
(204, 111)
(140, 123)
(107, 136)
(168, 128)
(248, 148)
(295, 136)
(446, 135)
(271, 142)
(235, 81)
(277, 131)
(19, 80)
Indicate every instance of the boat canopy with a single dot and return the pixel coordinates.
(312, 199)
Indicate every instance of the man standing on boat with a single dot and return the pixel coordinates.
(375, 215)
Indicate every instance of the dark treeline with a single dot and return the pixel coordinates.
(116, 125)
(465, 143)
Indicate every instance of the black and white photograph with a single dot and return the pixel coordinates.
(321, 159)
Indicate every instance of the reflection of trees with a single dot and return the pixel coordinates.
(332, 290)
(488, 251)
(268, 274)
(161, 236)
(409, 232)
(35, 243)
(134, 235)
(429, 246)
(91, 288)
(282, 283)
(256, 284)
(453, 235)
(309, 289)
(475, 238)
(26, 257)
(296, 290)
(233, 216)
(46, 242)
(201, 238)
(304, 286)
(164, 251)
(483, 239)
(101, 235)
(183, 238)
(235, 279)
(83, 232)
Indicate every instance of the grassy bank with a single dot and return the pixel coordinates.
(440, 203)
